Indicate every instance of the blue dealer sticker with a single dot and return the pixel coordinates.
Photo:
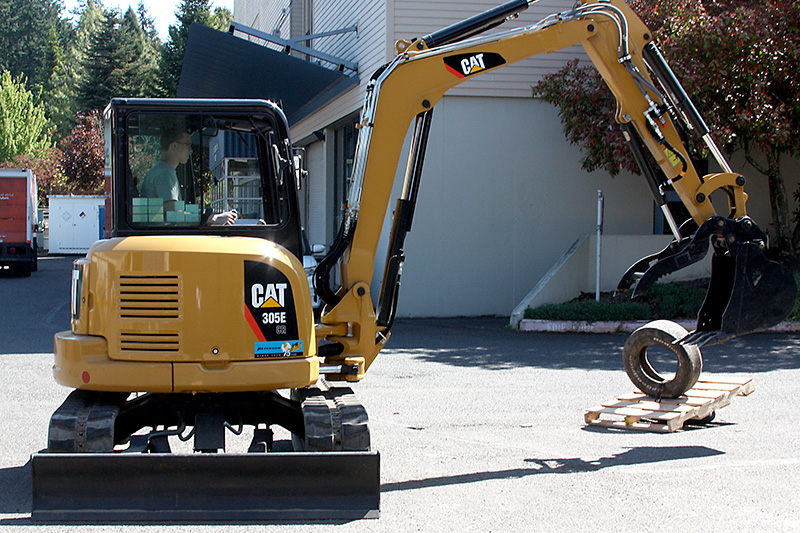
(278, 349)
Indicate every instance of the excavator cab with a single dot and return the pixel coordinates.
(197, 167)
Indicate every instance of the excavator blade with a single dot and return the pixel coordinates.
(748, 292)
(155, 487)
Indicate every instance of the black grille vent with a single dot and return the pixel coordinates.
(135, 342)
(149, 297)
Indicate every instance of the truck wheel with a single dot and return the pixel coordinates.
(24, 270)
(659, 338)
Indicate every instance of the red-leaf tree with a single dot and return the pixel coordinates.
(739, 60)
(50, 178)
(586, 108)
(82, 156)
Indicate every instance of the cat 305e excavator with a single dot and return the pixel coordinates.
(183, 328)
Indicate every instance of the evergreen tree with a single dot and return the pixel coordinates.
(146, 47)
(174, 49)
(28, 31)
(221, 19)
(146, 22)
(104, 65)
(91, 16)
(120, 61)
(66, 100)
(59, 90)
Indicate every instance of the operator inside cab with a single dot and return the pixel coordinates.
(161, 181)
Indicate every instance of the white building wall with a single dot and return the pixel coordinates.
(261, 14)
(382, 22)
(367, 48)
(757, 188)
(502, 197)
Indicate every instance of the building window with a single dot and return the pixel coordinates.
(344, 145)
(308, 18)
(678, 210)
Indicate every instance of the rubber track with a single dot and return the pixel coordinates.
(85, 422)
(334, 420)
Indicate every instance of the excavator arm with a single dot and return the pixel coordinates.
(747, 291)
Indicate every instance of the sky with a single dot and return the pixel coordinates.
(162, 11)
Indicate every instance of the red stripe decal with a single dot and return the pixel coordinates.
(254, 324)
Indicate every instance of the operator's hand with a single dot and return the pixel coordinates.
(224, 219)
(232, 217)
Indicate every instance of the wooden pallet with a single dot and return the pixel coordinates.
(642, 412)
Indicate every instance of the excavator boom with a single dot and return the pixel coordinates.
(653, 111)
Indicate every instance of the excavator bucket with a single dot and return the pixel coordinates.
(748, 292)
(112, 487)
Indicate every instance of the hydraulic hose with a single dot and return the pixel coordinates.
(322, 273)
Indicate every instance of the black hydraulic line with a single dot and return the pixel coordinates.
(655, 60)
(419, 146)
(475, 24)
(401, 224)
(684, 162)
(639, 154)
(390, 287)
(322, 273)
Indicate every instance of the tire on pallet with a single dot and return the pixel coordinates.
(661, 333)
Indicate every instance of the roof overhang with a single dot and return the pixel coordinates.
(221, 65)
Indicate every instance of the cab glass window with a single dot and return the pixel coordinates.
(190, 171)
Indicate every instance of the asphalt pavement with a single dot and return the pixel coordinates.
(481, 429)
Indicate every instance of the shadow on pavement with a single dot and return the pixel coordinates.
(486, 342)
(35, 308)
(632, 456)
(15, 489)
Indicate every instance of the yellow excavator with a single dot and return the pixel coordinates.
(194, 317)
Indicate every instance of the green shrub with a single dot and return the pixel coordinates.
(670, 301)
(795, 314)
(675, 300)
(678, 300)
(590, 311)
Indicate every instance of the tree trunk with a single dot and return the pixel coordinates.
(781, 217)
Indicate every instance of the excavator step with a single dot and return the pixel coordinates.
(666, 415)
(205, 487)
